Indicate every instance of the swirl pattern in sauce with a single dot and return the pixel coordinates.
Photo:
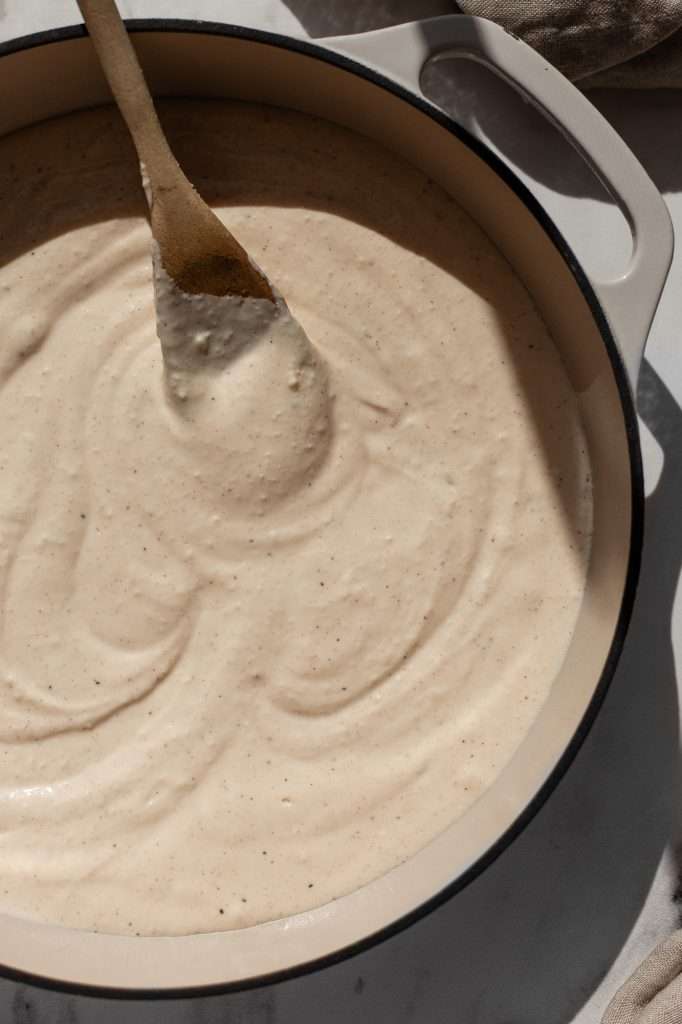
(238, 682)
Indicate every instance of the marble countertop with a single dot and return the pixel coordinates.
(547, 933)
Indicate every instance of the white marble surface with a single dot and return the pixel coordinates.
(548, 933)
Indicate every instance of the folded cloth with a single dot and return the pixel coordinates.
(630, 43)
(653, 995)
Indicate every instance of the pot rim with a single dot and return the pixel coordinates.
(317, 50)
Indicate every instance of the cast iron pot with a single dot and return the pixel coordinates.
(371, 83)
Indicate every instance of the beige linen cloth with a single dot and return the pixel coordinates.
(630, 43)
(653, 995)
(634, 44)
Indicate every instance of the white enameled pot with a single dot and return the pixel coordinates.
(371, 83)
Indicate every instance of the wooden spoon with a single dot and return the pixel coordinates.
(196, 248)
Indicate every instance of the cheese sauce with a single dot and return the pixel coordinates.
(262, 640)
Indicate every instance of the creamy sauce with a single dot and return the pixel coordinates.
(262, 641)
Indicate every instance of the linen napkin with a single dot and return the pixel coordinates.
(630, 43)
(653, 995)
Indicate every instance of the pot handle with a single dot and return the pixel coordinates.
(401, 52)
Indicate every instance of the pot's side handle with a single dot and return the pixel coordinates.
(630, 301)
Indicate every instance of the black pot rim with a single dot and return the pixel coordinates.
(312, 49)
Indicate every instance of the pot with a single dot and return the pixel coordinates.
(371, 83)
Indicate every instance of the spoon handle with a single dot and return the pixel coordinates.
(120, 65)
(196, 248)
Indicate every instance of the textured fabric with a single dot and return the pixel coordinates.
(653, 995)
(632, 43)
